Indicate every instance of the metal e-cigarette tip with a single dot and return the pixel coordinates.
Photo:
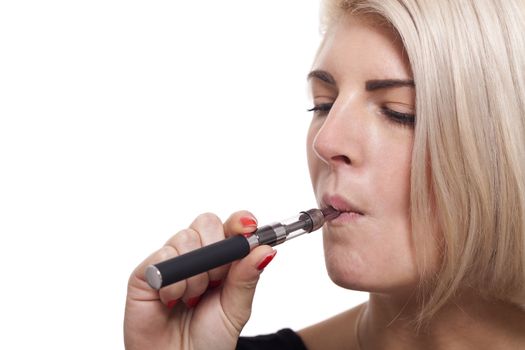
(320, 216)
(330, 213)
(153, 277)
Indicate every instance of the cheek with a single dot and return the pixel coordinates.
(391, 179)
(313, 160)
(378, 254)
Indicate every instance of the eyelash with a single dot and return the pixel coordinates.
(398, 117)
(322, 109)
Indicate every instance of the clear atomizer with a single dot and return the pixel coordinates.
(305, 222)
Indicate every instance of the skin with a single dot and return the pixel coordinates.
(195, 313)
(359, 151)
(360, 154)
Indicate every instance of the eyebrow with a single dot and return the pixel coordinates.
(372, 85)
(323, 76)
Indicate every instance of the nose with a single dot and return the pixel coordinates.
(339, 141)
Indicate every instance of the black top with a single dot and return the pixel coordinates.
(285, 339)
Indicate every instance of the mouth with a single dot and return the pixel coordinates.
(348, 211)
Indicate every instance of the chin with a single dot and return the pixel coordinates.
(349, 279)
(346, 270)
(350, 271)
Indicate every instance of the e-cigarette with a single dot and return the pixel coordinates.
(235, 247)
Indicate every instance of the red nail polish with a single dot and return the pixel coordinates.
(214, 284)
(192, 302)
(247, 221)
(172, 303)
(266, 260)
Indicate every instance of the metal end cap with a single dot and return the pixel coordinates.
(153, 277)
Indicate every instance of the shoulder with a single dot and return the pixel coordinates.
(334, 333)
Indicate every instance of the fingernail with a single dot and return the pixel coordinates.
(192, 302)
(214, 284)
(247, 221)
(266, 260)
(172, 303)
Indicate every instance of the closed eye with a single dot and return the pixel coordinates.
(399, 117)
(321, 108)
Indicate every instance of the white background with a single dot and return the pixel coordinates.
(120, 121)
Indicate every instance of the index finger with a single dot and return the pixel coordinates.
(240, 222)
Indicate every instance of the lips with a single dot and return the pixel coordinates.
(341, 204)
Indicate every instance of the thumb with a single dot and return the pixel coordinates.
(239, 286)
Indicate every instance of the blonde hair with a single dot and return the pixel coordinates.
(468, 161)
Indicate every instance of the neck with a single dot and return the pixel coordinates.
(468, 322)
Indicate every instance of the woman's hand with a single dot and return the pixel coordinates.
(207, 311)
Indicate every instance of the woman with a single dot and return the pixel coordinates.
(432, 221)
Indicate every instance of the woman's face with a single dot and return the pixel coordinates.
(359, 154)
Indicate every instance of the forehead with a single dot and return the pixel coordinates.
(362, 45)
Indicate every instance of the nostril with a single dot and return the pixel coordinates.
(342, 159)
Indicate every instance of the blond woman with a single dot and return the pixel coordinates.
(418, 138)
